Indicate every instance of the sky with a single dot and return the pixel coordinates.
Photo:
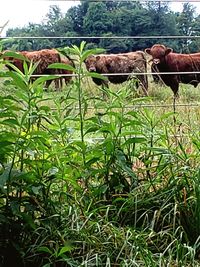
(19, 13)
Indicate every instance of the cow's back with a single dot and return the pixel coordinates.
(124, 62)
(44, 58)
(123, 65)
(182, 63)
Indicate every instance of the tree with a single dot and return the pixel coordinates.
(76, 15)
(56, 24)
(112, 18)
(114, 45)
(162, 22)
(186, 23)
(195, 44)
(97, 20)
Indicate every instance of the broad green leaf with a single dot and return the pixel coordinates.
(106, 128)
(31, 68)
(90, 52)
(28, 220)
(10, 122)
(92, 161)
(132, 133)
(160, 150)
(64, 250)
(18, 80)
(45, 249)
(5, 143)
(45, 108)
(109, 146)
(135, 140)
(82, 46)
(166, 115)
(3, 74)
(14, 55)
(41, 80)
(92, 129)
(79, 144)
(39, 134)
(61, 66)
(22, 96)
(96, 75)
(6, 41)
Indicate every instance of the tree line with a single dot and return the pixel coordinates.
(110, 19)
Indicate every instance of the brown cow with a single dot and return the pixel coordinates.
(167, 61)
(132, 62)
(44, 58)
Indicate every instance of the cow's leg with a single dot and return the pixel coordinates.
(60, 83)
(57, 83)
(47, 83)
(174, 88)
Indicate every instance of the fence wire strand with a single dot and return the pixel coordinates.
(137, 1)
(121, 37)
(126, 74)
(104, 37)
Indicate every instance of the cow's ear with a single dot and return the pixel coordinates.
(148, 51)
(168, 50)
(98, 57)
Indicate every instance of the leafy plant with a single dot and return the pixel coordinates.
(89, 182)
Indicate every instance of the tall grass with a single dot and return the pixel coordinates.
(107, 186)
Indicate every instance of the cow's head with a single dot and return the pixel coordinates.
(91, 62)
(158, 53)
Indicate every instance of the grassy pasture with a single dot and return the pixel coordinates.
(86, 181)
(160, 100)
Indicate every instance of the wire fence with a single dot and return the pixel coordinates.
(140, 1)
(104, 37)
(152, 106)
(155, 37)
(128, 73)
(150, 37)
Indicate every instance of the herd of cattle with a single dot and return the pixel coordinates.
(172, 68)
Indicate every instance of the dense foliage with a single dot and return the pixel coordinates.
(109, 19)
(88, 182)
